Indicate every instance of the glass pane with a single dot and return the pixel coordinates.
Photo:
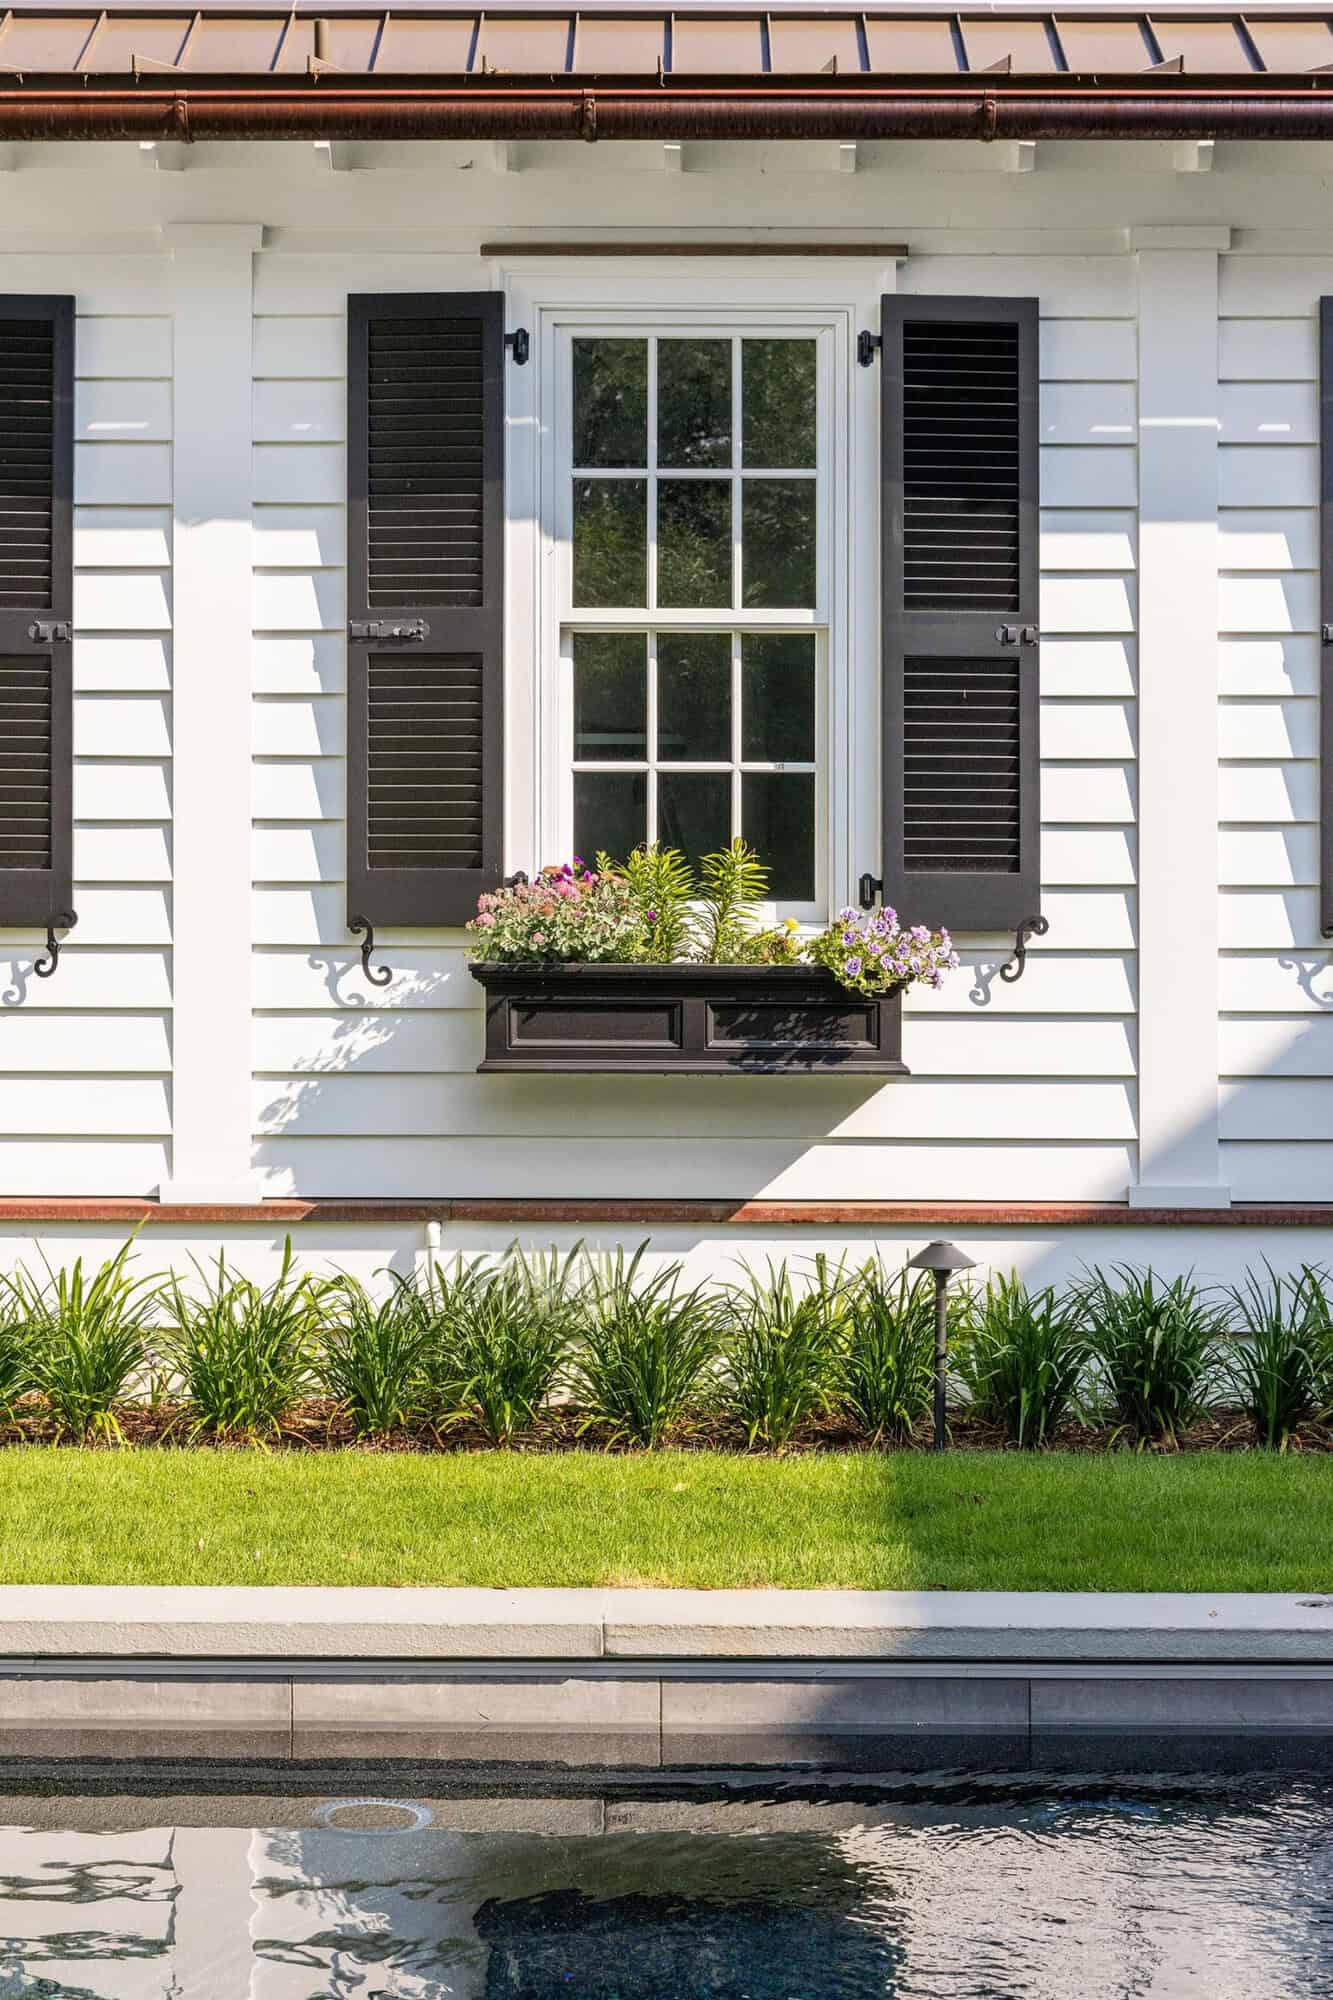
(694, 542)
(694, 402)
(610, 541)
(779, 395)
(694, 697)
(610, 813)
(778, 820)
(778, 543)
(610, 695)
(694, 811)
(778, 697)
(611, 402)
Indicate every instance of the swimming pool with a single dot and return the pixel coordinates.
(796, 1890)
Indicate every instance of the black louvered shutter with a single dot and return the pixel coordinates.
(36, 606)
(425, 578)
(1325, 617)
(962, 814)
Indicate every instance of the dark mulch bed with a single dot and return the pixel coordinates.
(321, 1426)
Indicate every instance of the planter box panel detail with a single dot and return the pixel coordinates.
(677, 1019)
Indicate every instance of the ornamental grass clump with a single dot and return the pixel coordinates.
(83, 1341)
(1280, 1363)
(644, 1347)
(887, 1377)
(242, 1353)
(1155, 1347)
(14, 1380)
(372, 1356)
(1021, 1356)
(781, 1354)
(500, 1334)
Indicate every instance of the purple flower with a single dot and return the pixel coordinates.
(850, 937)
(853, 967)
(652, 916)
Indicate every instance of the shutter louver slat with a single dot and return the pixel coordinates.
(36, 593)
(425, 386)
(960, 709)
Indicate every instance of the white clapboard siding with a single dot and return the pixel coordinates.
(1267, 538)
(122, 601)
(1269, 729)
(300, 601)
(1250, 856)
(123, 475)
(1283, 603)
(105, 1106)
(121, 854)
(121, 791)
(122, 346)
(1050, 985)
(1278, 1171)
(309, 286)
(1087, 793)
(111, 660)
(122, 538)
(301, 347)
(424, 976)
(134, 412)
(1269, 1047)
(673, 1170)
(299, 853)
(335, 1105)
(299, 789)
(292, 473)
(1292, 982)
(1075, 288)
(1277, 1108)
(1263, 350)
(113, 915)
(288, 726)
(1087, 604)
(1089, 475)
(66, 1044)
(1088, 854)
(312, 663)
(1271, 287)
(89, 981)
(86, 1165)
(1279, 665)
(1087, 539)
(107, 725)
(1268, 413)
(1268, 475)
(300, 537)
(1088, 667)
(1252, 919)
(1088, 413)
(299, 412)
(1088, 350)
(1277, 793)
(1075, 730)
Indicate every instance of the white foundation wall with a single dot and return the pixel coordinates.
(1020, 1093)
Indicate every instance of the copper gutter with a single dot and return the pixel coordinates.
(319, 110)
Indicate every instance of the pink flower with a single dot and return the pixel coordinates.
(538, 939)
(485, 921)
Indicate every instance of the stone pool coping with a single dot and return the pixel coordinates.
(44, 1623)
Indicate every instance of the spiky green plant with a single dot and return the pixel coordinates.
(372, 1355)
(14, 1358)
(1154, 1344)
(84, 1338)
(508, 1335)
(1022, 1357)
(643, 1348)
(243, 1353)
(1280, 1361)
(731, 884)
(887, 1376)
(781, 1355)
(662, 885)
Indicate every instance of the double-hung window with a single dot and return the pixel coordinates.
(693, 537)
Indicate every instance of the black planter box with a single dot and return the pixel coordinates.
(685, 1020)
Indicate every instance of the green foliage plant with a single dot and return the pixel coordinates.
(780, 1359)
(1155, 1346)
(14, 1380)
(887, 1378)
(732, 883)
(243, 1353)
(507, 1335)
(84, 1340)
(371, 1355)
(1022, 1357)
(661, 886)
(644, 1347)
(1281, 1350)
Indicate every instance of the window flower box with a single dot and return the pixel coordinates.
(686, 1020)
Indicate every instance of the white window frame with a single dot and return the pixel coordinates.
(829, 301)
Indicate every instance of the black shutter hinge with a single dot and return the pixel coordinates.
(378, 975)
(1327, 636)
(1016, 635)
(51, 631)
(519, 345)
(1013, 968)
(867, 346)
(416, 629)
(63, 920)
(867, 889)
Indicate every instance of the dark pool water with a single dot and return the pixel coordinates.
(944, 1888)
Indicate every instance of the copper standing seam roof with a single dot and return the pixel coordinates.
(526, 70)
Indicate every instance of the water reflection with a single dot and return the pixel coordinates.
(999, 1890)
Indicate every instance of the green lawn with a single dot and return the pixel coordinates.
(1224, 1522)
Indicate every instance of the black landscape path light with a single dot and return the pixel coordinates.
(943, 1261)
